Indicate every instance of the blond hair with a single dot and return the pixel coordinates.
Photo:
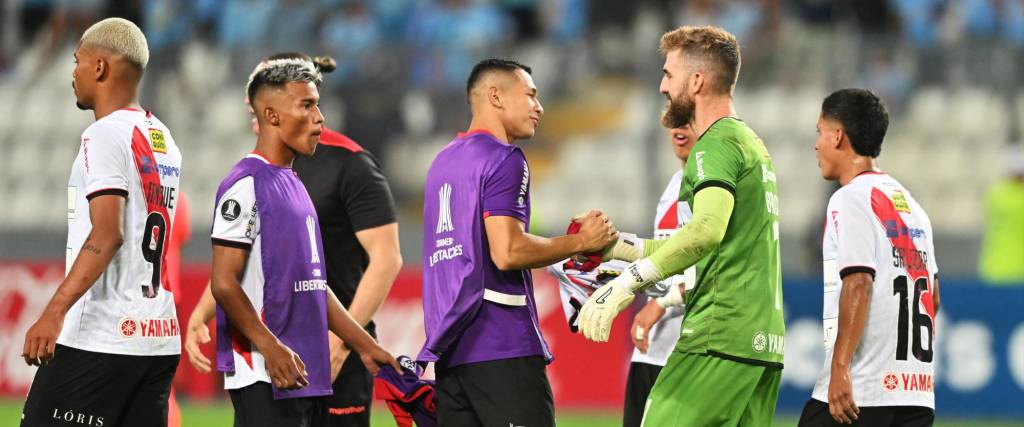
(716, 48)
(120, 37)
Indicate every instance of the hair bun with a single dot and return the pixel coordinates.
(325, 64)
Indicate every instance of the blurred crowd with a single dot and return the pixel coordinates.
(403, 63)
(387, 47)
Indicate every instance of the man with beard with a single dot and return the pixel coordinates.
(726, 367)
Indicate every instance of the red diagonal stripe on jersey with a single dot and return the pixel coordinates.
(145, 162)
(886, 212)
(670, 221)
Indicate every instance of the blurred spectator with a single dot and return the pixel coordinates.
(245, 25)
(294, 24)
(1002, 249)
(167, 25)
(920, 25)
(349, 33)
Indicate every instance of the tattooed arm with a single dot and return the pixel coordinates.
(106, 237)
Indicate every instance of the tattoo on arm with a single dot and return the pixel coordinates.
(89, 247)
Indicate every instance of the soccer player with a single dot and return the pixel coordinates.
(107, 343)
(655, 329)
(479, 310)
(274, 305)
(360, 235)
(881, 280)
(727, 365)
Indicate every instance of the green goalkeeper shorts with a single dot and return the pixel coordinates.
(703, 390)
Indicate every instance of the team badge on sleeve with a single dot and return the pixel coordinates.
(230, 210)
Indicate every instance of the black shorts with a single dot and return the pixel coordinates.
(638, 386)
(85, 388)
(496, 393)
(349, 406)
(255, 406)
(816, 414)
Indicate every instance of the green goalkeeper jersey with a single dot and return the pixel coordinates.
(735, 309)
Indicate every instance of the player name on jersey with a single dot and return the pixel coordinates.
(163, 196)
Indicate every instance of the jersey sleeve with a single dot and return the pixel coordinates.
(719, 163)
(236, 222)
(107, 162)
(366, 194)
(856, 233)
(507, 189)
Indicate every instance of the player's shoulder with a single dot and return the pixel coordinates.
(855, 192)
(339, 143)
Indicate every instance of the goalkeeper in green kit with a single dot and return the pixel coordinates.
(726, 368)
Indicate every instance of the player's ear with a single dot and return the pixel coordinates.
(696, 82)
(101, 69)
(493, 96)
(271, 116)
(838, 137)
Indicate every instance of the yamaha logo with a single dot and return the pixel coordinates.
(759, 342)
(128, 327)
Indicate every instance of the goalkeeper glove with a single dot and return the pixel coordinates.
(606, 302)
(627, 248)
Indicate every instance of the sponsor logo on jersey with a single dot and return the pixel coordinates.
(908, 381)
(230, 210)
(772, 343)
(128, 327)
(250, 228)
(71, 417)
(890, 381)
(348, 410)
(525, 185)
(894, 230)
(156, 140)
(700, 165)
(900, 201)
(148, 328)
(767, 175)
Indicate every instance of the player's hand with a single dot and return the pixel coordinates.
(339, 352)
(197, 333)
(41, 339)
(604, 304)
(643, 322)
(597, 231)
(376, 356)
(840, 397)
(284, 366)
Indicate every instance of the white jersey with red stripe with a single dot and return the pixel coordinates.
(672, 214)
(875, 226)
(236, 223)
(129, 309)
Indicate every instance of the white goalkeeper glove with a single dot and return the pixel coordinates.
(628, 247)
(606, 302)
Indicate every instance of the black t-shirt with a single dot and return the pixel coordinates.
(350, 194)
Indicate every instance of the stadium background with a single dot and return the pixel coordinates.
(949, 71)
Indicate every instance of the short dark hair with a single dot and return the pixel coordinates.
(492, 64)
(863, 117)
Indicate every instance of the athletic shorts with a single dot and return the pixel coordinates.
(495, 393)
(704, 390)
(350, 404)
(638, 386)
(255, 406)
(816, 414)
(84, 388)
